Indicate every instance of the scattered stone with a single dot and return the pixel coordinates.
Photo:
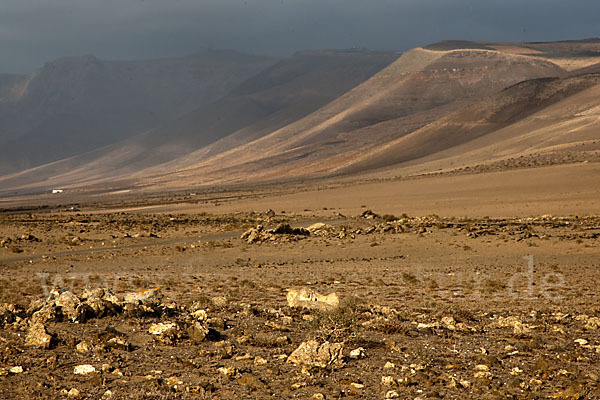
(119, 343)
(39, 337)
(16, 370)
(388, 381)
(227, 371)
(313, 354)
(226, 349)
(83, 347)
(73, 393)
(173, 381)
(167, 332)
(197, 332)
(519, 328)
(310, 299)
(389, 365)
(258, 360)
(357, 353)
(84, 369)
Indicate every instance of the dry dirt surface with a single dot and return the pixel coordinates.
(310, 305)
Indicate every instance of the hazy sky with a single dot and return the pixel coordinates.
(35, 31)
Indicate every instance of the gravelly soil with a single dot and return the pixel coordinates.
(442, 307)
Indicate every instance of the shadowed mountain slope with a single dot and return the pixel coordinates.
(276, 97)
(76, 104)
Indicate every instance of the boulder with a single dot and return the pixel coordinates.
(314, 354)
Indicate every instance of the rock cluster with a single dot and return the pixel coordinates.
(283, 231)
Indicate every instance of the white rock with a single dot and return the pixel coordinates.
(84, 369)
(162, 328)
(73, 393)
(16, 370)
(357, 353)
(227, 371)
(581, 342)
(389, 365)
(310, 299)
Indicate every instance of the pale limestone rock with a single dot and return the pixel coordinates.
(310, 299)
(314, 354)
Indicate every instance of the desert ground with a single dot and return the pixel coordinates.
(451, 286)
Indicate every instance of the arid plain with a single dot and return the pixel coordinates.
(480, 285)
